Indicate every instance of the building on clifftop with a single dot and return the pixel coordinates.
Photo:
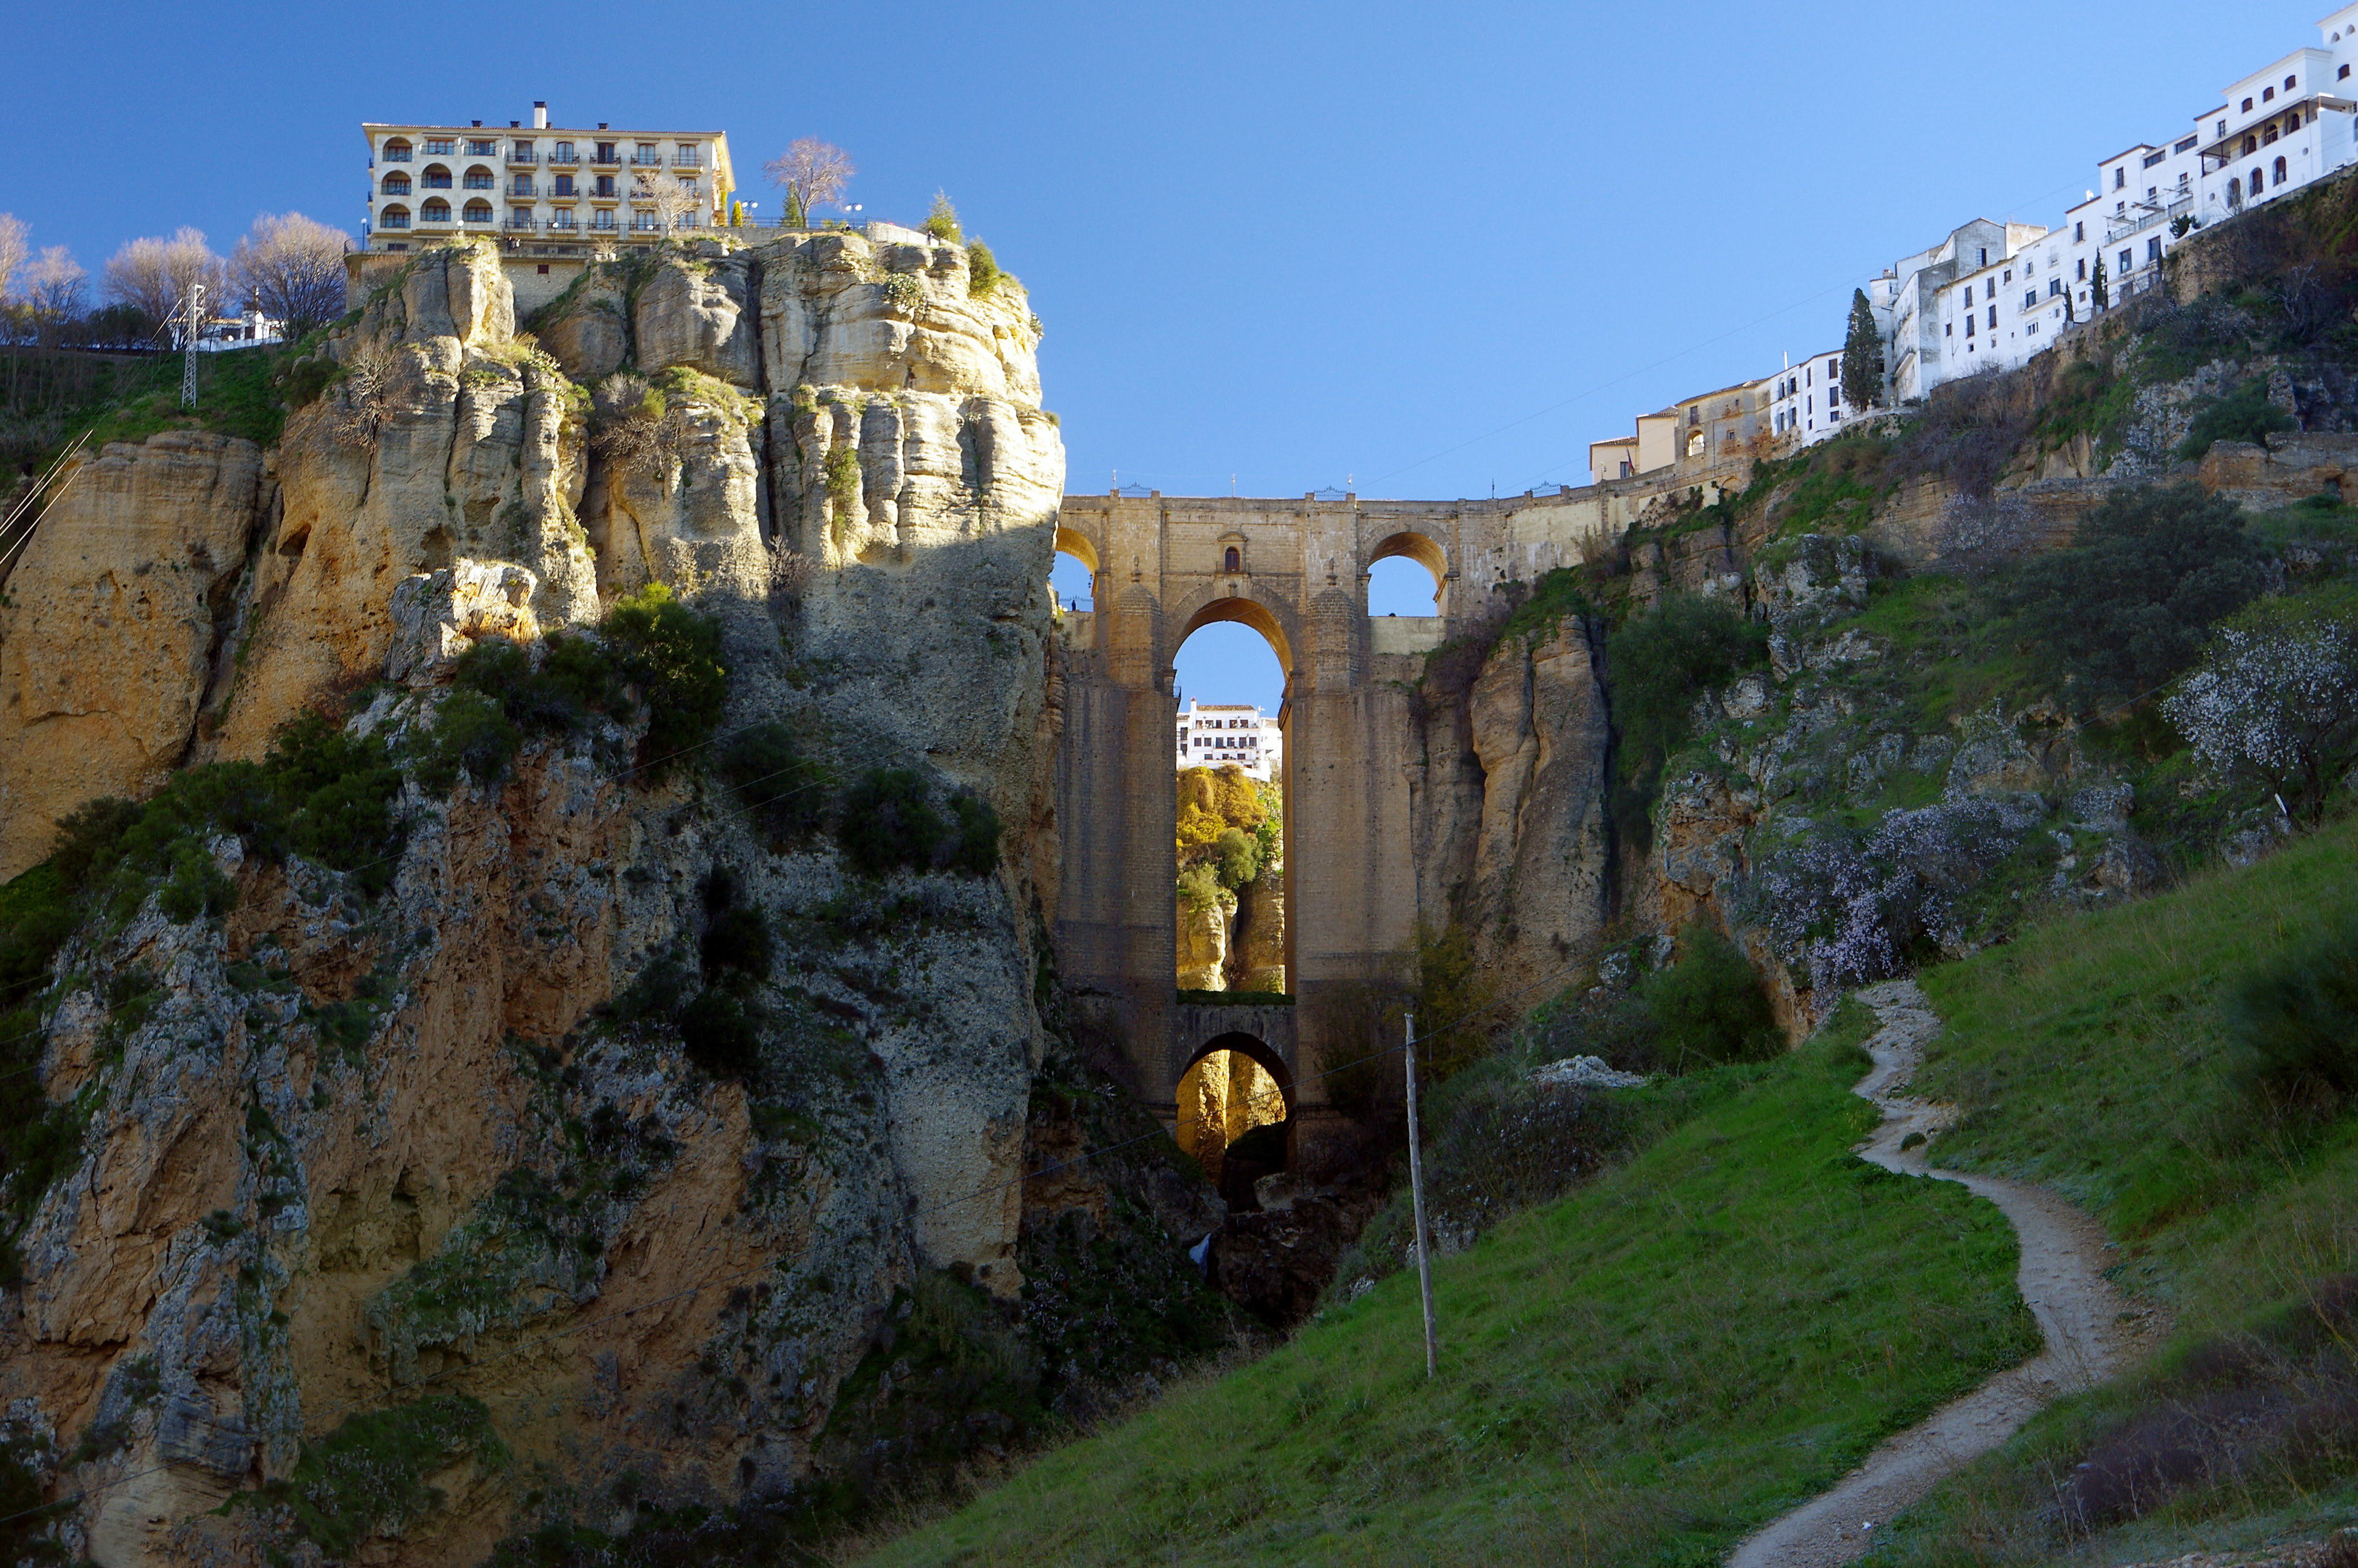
(540, 184)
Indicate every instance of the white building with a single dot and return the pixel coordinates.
(2284, 127)
(1215, 735)
(428, 182)
(1807, 402)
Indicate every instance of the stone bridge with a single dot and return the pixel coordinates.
(1296, 571)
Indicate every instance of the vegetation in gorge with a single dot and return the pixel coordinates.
(1229, 830)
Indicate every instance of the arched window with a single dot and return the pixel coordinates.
(434, 177)
(2234, 193)
(1235, 559)
(435, 211)
(479, 178)
(396, 184)
(2280, 171)
(479, 211)
(394, 218)
(2251, 146)
(2255, 182)
(397, 151)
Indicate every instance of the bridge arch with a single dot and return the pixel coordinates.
(1425, 552)
(1235, 1104)
(1274, 621)
(1079, 545)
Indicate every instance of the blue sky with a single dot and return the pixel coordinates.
(1418, 250)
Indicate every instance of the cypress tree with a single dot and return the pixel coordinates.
(1862, 357)
(2101, 287)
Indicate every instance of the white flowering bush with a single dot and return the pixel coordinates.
(1851, 909)
(2276, 700)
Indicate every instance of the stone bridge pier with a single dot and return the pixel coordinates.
(1296, 571)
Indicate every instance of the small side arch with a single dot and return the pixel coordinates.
(1078, 545)
(1426, 553)
(1251, 1045)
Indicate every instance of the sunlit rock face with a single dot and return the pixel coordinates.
(299, 1184)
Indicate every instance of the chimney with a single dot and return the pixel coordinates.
(515, 124)
(479, 124)
(602, 124)
(540, 114)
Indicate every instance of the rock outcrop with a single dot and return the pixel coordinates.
(347, 1151)
(110, 624)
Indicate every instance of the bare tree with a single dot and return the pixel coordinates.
(361, 399)
(675, 201)
(52, 293)
(153, 276)
(812, 171)
(15, 246)
(292, 269)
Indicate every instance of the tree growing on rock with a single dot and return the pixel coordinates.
(1862, 357)
(810, 171)
(2276, 700)
(292, 268)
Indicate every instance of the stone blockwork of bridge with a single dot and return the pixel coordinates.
(1297, 572)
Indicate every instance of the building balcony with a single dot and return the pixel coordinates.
(396, 155)
(646, 160)
(524, 188)
(516, 225)
(522, 157)
(564, 160)
(563, 224)
(687, 160)
(595, 162)
(605, 199)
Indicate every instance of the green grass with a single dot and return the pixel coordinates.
(2092, 1055)
(1637, 1374)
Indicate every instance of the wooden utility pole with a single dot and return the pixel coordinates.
(1416, 1191)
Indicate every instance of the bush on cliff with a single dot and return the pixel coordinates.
(672, 654)
(1709, 1005)
(785, 792)
(887, 822)
(2128, 606)
(2243, 415)
(2295, 1021)
(1655, 665)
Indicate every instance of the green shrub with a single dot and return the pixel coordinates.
(942, 222)
(982, 271)
(721, 1034)
(1708, 1004)
(2296, 1021)
(1655, 666)
(785, 791)
(1200, 887)
(842, 470)
(737, 942)
(1236, 854)
(368, 1475)
(2243, 415)
(88, 838)
(672, 653)
(975, 832)
(887, 822)
(2128, 607)
(472, 735)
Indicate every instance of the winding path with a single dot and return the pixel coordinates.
(2089, 1330)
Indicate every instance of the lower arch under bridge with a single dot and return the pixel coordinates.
(1163, 567)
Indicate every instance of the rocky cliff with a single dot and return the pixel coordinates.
(607, 1122)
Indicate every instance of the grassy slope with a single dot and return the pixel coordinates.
(2090, 1055)
(1635, 1374)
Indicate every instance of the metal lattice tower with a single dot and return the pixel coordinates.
(188, 338)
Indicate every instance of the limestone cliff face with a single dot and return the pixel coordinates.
(109, 622)
(1511, 804)
(443, 441)
(346, 1151)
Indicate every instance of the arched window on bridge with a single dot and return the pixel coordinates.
(1234, 1110)
(1073, 577)
(1405, 574)
(1229, 804)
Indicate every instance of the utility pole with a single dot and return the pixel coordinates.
(189, 360)
(1416, 1189)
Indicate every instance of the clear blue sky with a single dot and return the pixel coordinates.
(1421, 250)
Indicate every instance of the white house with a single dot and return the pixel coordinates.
(2282, 127)
(1807, 402)
(1215, 735)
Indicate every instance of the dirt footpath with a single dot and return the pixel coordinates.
(2091, 1332)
